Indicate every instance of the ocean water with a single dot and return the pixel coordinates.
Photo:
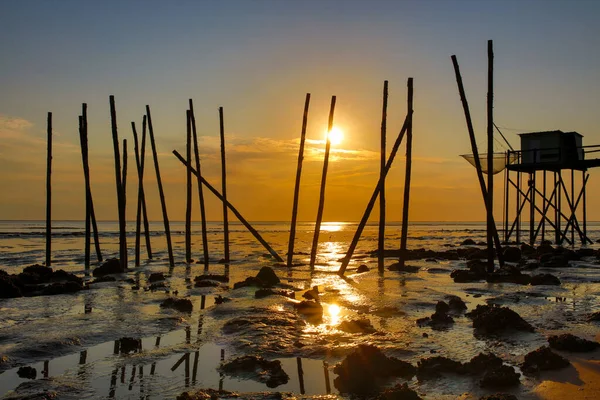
(70, 339)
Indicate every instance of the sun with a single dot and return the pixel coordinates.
(336, 136)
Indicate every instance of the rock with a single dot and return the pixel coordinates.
(129, 345)
(544, 249)
(256, 368)
(27, 372)
(511, 254)
(261, 293)
(568, 342)
(465, 276)
(594, 316)
(468, 242)
(157, 285)
(248, 282)
(62, 276)
(312, 294)
(456, 303)
(267, 276)
(482, 362)
(490, 319)
(399, 392)
(156, 276)
(311, 309)
(502, 376)
(559, 261)
(206, 283)
(442, 307)
(212, 277)
(40, 270)
(433, 367)
(499, 396)
(362, 268)
(104, 279)
(507, 275)
(8, 289)
(527, 249)
(362, 371)
(403, 268)
(543, 359)
(62, 288)
(220, 299)
(111, 266)
(357, 326)
(544, 279)
(183, 305)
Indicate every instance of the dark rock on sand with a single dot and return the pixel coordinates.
(256, 368)
(594, 316)
(357, 326)
(261, 293)
(213, 394)
(468, 242)
(7, 288)
(442, 307)
(212, 277)
(403, 268)
(248, 282)
(64, 276)
(129, 345)
(362, 371)
(311, 309)
(569, 342)
(312, 294)
(508, 275)
(183, 305)
(543, 359)
(456, 304)
(206, 283)
(511, 254)
(466, 276)
(267, 276)
(544, 279)
(362, 268)
(558, 261)
(111, 266)
(499, 396)
(502, 376)
(433, 367)
(398, 392)
(27, 372)
(544, 248)
(220, 299)
(482, 362)
(156, 276)
(490, 319)
(40, 270)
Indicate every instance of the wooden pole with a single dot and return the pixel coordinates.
(476, 156)
(188, 197)
(200, 191)
(404, 237)
(573, 213)
(532, 209)
(161, 192)
(49, 192)
(315, 243)
(231, 207)
(583, 180)
(119, 182)
(224, 187)
(518, 210)
(86, 177)
(490, 157)
(506, 204)
(124, 198)
(138, 213)
(371, 204)
(381, 236)
(543, 221)
(290, 254)
(142, 167)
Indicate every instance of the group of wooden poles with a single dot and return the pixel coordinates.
(193, 167)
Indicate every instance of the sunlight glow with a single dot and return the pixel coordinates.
(334, 310)
(336, 136)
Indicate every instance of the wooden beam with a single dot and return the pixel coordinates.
(381, 233)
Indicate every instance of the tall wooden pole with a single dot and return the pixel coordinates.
(86, 177)
(315, 243)
(224, 187)
(142, 168)
(138, 213)
(406, 202)
(465, 104)
(161, 192)
(92, 213)
(583, 180)
(381, 236)
(239, 216)
(49, 193)
(371, 204)
(119, 182)
(490, 157)
(200, 191)
(188, 186)
(573, 212)
(290, 254)
(124, 198)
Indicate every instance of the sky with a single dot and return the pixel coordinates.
(258, 59)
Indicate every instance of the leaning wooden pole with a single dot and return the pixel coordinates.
(92, 213)
(407, 176)
(490, 157)
(86, 177)
(224, 187)
(463, 99)
(371, 204)
(119, 183)
(161, 192)
(290, 254)
(138, 213)
(239, 216)
(188, 192)
(315, 243)
(143, 193)
(200, 191)
(381, 236)
(49, 192)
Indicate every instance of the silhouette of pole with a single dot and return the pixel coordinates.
(86, 177)
(371, 204)
(315, 243)
(142, 168)
(200, 191)
(49, 192)
(141, 201)
(232, 208)
(224, 186)
(404, 236)
(476, 156)
(92, 213)
(161, 192)
(490, 157)
(290, 254)
(381, 236)
(124, 197)
(119, 182)
(188, 193)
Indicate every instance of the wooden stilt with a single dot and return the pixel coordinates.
(49, 192)
(490, 158)
(506, 193)
(160, 188)
(143, 193)
(224, 187)
(290, 254)
(200, 191)
(573, 212)
(86, 177)
(518, 216)
(404, 236)
(300, 375)
(584, 180)
(544, 207)
(232, 208)
(119, 182)
(138, 214)
(381, 233)
(532, 209)
(315, 243)
(188, 186)
(124, 198)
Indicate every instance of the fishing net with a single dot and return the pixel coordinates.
(501, 160)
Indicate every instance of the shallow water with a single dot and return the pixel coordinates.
(70, 339)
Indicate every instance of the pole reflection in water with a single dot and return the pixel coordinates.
(113, 383)
(46, 366)
(123, 374)
(141, 375)
(132, 377)
(221, 376)
(326, 371)
(300, 375)
(195, 368)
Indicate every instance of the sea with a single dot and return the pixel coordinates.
(71, 340)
